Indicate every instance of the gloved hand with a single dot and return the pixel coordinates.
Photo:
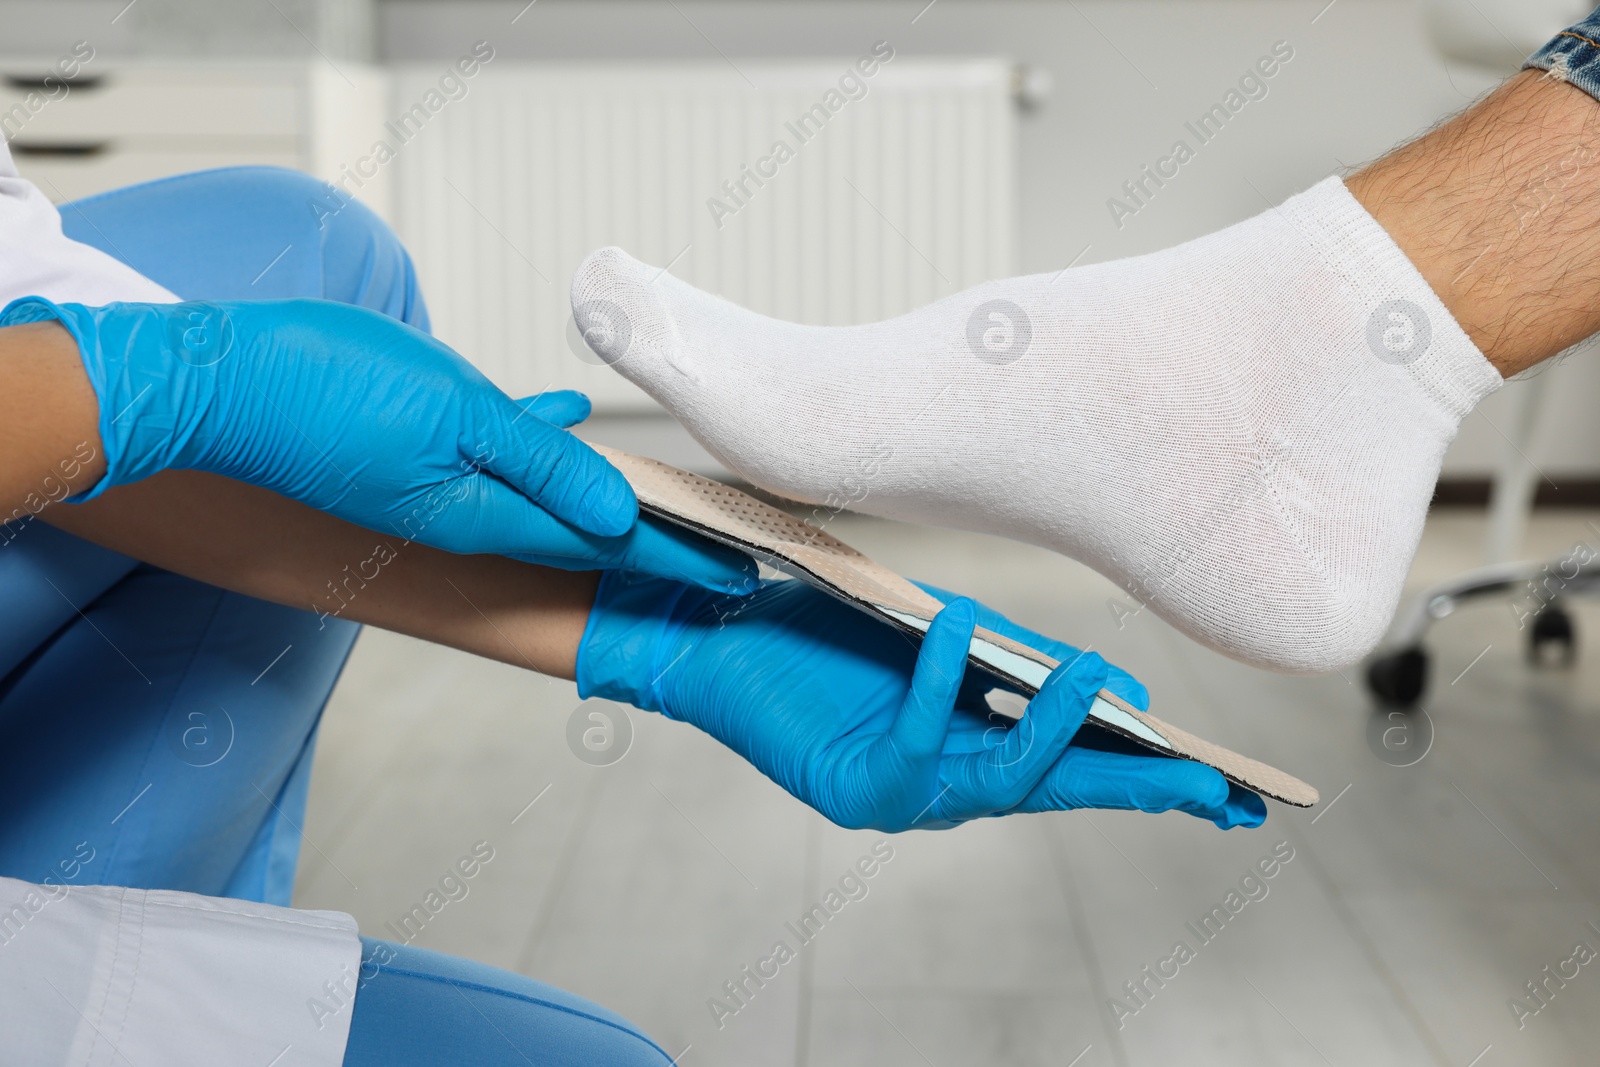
(1092, 748)
(652, 546)
(363, 417)
(850, 717)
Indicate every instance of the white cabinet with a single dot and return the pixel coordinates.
(120, 123)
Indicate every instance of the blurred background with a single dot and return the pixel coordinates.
(1452, 860)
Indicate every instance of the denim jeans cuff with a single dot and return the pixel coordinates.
(1573, 55)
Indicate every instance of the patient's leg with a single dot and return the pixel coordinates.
(1244, 431)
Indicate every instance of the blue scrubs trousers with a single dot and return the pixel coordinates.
(157, 732)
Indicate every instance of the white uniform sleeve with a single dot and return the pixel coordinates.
(97, 976)
(37, 259)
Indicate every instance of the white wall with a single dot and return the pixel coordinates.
(192, 29)
(1365, 76)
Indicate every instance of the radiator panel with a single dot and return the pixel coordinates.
(902, 196)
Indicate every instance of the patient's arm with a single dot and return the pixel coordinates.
(252, 541)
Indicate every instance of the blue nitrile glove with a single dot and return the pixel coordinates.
(363, 417)
(1244, 807)
(653, 545)
(845, 713)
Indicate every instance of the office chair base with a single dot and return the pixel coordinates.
(1398, 675)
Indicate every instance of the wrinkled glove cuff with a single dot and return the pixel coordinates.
(632, 626)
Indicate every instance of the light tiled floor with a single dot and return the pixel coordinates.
(1416, 903)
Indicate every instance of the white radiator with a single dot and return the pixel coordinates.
(899, 196)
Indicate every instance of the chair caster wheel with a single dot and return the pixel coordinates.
(1399, 679)
(1553, 639)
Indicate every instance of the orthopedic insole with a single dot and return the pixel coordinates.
(784, 542)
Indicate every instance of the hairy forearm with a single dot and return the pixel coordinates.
(49, 420)
(252, 541)
(1498, 208)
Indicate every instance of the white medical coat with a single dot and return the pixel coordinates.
(97, 975)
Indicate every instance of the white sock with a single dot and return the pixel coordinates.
(1243, 431)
